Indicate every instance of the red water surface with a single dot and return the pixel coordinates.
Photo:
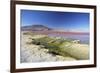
(59, 32)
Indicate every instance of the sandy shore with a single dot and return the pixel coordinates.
(33, 53)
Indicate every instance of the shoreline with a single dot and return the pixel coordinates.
(34, 53)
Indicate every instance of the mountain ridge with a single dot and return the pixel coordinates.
(35, 28)
(44, 29)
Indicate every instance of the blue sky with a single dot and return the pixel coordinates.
(68, 21)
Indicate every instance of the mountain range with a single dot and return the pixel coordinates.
(35, 28)
(44, 29)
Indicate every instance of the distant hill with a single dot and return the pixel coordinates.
(46, 30)
(35, 28)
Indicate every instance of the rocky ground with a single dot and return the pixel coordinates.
(33, 53)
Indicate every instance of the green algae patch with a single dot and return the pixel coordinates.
(64, 47)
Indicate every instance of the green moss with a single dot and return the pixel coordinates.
(54, 45)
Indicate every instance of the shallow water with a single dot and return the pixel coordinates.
(84, 38)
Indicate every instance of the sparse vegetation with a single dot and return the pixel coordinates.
(57, 46)
(61, 46)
